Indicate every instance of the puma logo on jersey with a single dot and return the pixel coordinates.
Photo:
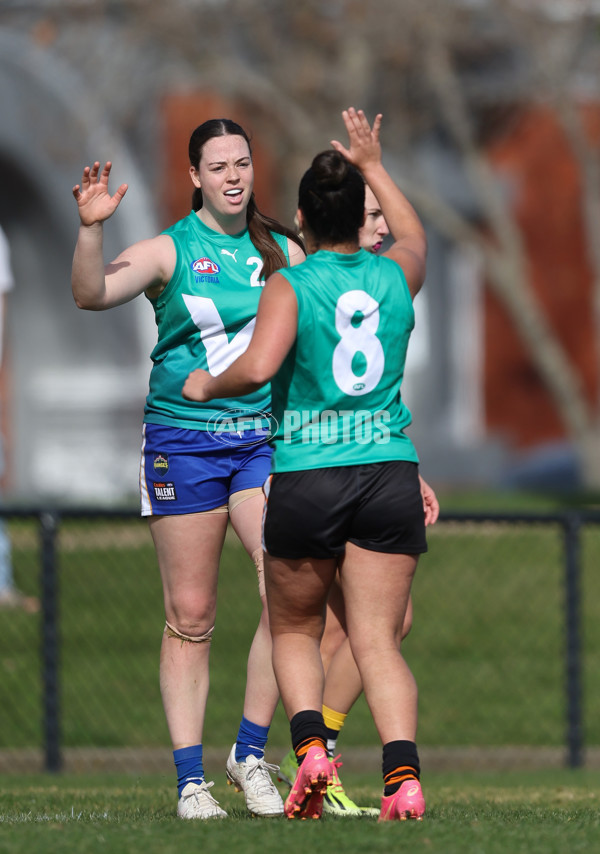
(231, 254)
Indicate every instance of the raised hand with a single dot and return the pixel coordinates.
(363, 140)
(92, 196)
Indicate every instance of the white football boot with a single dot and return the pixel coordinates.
(253, 778)
(197, 802)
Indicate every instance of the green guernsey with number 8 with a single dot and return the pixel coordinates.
(362, 309)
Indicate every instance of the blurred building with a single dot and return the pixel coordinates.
(537, 162)
(77, 379)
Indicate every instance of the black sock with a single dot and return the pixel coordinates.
(400, 763)
(307, 728)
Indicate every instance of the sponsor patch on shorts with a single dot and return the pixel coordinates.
(161, 464)
(165, 491)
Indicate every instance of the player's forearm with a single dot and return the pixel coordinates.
(87, 274)
(241, 378)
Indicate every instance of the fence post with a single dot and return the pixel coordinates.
(572, 528)
(50, 644)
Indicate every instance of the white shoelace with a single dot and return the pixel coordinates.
(202, 792)
(262, 770)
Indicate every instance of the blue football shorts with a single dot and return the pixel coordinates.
(192, 471)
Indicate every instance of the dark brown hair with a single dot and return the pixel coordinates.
(259, 225)
(332, 198)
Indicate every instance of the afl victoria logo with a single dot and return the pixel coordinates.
(205, 265)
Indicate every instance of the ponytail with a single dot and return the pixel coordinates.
(197, 199)
(259, 229)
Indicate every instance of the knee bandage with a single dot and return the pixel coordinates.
(172, 632)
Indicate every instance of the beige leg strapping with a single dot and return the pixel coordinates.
(172, 632)
(243, 495)
(259, 563)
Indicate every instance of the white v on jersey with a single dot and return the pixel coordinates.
(205, 318)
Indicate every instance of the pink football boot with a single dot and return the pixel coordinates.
(305, 799)
(407, 802)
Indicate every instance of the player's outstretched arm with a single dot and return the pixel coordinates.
(144, 266)
(409, 249)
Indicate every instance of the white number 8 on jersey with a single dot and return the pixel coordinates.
(356, 320)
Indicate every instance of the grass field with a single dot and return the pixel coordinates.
(549, 813)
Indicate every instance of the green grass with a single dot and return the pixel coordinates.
(480, 813)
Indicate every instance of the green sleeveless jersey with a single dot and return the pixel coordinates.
(205, 318)
(336, 398)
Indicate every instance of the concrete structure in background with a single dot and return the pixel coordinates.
(78, 379)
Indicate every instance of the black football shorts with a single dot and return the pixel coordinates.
(314, 513)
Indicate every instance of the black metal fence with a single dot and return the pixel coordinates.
(504, 646)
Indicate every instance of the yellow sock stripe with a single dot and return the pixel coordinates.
(333, 720)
